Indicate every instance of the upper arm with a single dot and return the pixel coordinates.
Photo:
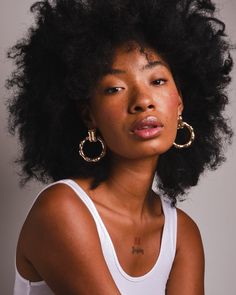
(187, 274)
(62, 243)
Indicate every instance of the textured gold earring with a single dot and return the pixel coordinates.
(181, 125)
(92, 138)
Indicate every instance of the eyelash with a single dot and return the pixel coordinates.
(160, 82)
(113, 90)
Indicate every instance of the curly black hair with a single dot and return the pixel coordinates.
(69, 49)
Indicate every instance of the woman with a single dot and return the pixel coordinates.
(109, 95)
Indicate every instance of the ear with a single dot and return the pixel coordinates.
(87, 116)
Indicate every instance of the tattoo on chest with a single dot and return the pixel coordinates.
(137, 247)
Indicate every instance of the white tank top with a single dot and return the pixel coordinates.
(151, 283)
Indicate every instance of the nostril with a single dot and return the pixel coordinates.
(141, 105)
(138, 109)
(151, 106)
(142, 108)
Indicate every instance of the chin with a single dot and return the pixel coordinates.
(158, 148)
(134, 154)
(144, 149)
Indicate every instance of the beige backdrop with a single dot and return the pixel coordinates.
(212, 203)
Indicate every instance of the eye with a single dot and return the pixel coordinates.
(159, 82)
(112, 90)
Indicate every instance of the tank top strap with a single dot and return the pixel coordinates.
(170, 236)
(88, 203)
(77, 189)
(83, 197)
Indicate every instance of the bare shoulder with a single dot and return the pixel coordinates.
(56, 194)
(187, 274)
(187, 227)
(189, 240)
(55, 209)
(57, 199)
(61, 242)
(57, 205)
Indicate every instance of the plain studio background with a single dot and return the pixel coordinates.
(211, 204)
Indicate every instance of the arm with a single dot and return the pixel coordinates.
(61, 242)
(187, 274)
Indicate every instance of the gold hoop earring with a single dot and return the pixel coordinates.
(92, 138)
(181, 125)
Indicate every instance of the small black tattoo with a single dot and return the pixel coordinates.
(137, 250)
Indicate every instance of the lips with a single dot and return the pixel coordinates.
(147, 128)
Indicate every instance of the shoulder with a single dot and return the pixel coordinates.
(189, 246)
(59, 198)
(58, 201)
(60, 241)
(187, 274)
(187, 229)
(57, 213)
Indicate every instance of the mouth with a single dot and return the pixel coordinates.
(146, 128)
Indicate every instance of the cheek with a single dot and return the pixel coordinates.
(107, 117)
(170, 105)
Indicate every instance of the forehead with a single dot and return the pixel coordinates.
(135, 54)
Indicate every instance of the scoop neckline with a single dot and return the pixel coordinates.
(118, 265)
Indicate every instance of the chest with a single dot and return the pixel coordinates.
(137, 247)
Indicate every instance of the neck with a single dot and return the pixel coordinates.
(130, 185)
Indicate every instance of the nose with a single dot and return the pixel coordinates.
(141, 102)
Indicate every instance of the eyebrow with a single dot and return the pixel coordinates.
(148, 66)
(153, 64)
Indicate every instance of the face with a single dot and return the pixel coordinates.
(135, 106)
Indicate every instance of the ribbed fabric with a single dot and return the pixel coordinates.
(152, 283)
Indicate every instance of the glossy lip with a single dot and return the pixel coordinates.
(146, 128)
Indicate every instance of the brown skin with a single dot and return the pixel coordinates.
(59, 241)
